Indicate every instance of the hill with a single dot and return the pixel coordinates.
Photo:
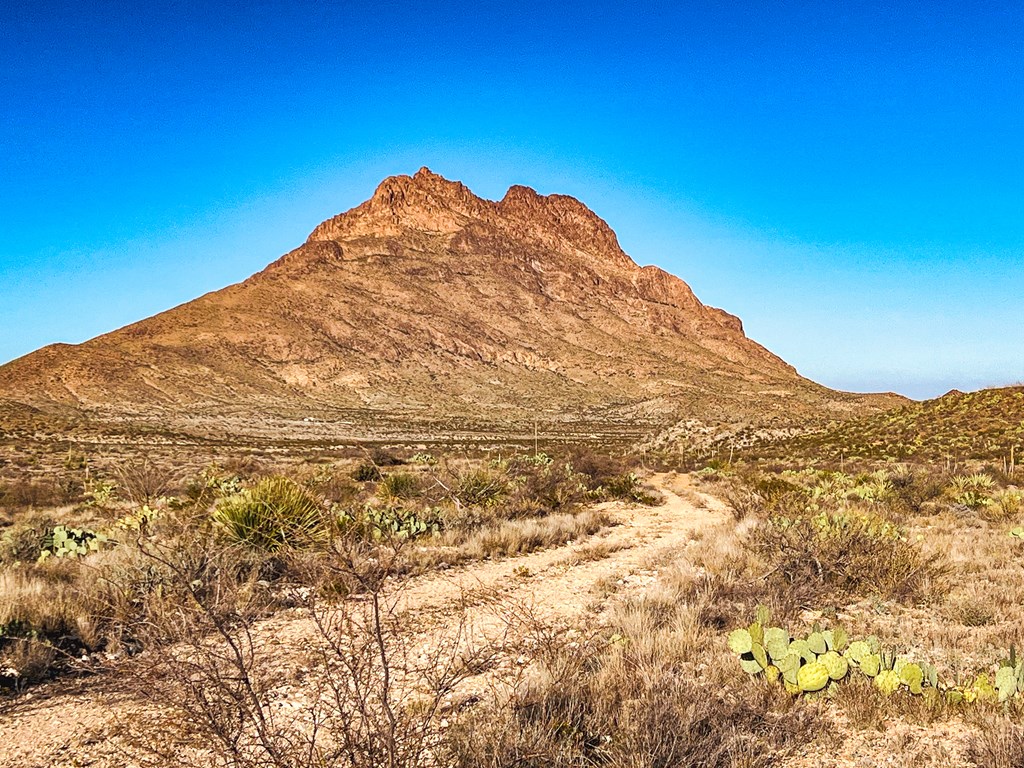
(428, 309)
(988, 424)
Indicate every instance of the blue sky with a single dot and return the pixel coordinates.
(844, 177)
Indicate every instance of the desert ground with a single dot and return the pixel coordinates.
(392, 606)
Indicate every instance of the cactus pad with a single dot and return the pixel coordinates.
(812, 677)
(871, 665)
(857, 650)
(913, 676)
(888, 682)
(740, 641)
(816, 642)
(836, 665)
(757, 651)
(776, 642)
(1006, 683)
(750, 666)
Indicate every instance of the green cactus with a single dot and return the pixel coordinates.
(931, 675)
(813, 677)
(837, 666)
(839, 640)
(756, 631)
(1006, 683)
(789, 666)
(750, 666)
(802, 648)
(888, 682)
(982, 690)
(816, 642)
(856, 651)
(65, 541)
(913, 676)
(871, 665)
(758, 652)
(776, 642)
(740, 641)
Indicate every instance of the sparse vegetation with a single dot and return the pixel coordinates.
(905, 553)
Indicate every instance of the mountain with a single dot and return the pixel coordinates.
(429, 309)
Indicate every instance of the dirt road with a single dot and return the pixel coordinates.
(69, 724)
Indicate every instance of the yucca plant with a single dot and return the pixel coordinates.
(972, 491)
(275, 513)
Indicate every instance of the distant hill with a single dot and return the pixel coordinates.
(980, 425)
(430, 307)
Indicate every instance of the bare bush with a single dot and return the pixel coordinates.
(367, 696)
(142, 480)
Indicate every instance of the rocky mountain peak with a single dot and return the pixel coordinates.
(429, 202)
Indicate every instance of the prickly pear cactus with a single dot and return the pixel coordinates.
(871, 664)
(1006, 683)
(812, 677)
(789, 666)
(776, 642)
(816, 642)
(888, 682)
(740, 641)
(836, 665)
(857, 650)
(913, 676)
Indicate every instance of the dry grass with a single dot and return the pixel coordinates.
(999, 743)
(507, 538)
(643, 693)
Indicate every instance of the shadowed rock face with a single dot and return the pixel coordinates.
(429, 300)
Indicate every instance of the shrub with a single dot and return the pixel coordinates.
(627, 487)
(399, 486)
(367, 472)
(971, 491)
(848, 551)
(999, 743)
(23, 541)
(275, 513)
(912, 488)
(480, 487)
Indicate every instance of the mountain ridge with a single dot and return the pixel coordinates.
(430, 301)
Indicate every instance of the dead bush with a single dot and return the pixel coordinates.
(849, 552)
(142, 480)
(366, 698)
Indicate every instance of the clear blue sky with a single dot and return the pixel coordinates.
(847, 178)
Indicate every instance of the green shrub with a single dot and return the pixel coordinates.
(480, 487)
(275, 513)
(627, 487)
(399, 486)
(971, 491)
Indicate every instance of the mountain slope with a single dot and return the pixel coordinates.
(429, 303)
